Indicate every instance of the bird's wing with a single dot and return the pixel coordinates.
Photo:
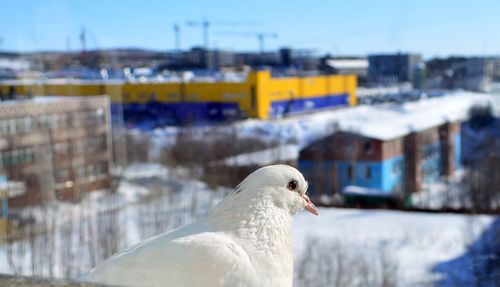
(184, 257)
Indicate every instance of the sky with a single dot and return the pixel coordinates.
(433, 28)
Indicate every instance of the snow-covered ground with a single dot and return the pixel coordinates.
(416, 241)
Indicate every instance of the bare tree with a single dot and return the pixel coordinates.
(330, 263)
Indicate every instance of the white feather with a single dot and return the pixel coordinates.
(244, 241)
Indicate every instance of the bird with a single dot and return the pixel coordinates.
(244, 241)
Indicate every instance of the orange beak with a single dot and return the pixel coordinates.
(309, 205)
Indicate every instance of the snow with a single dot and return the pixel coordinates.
(14, 64)
(358, 190)
(417, 241)
(265, 157)
(450, 193)
(143, 170)
(348, 63)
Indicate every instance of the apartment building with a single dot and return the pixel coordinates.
(58, 146)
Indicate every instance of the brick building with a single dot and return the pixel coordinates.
(347, 161)
(58, 146)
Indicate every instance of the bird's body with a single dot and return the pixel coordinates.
(244, 241)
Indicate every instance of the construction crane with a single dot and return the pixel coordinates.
(261, 37)
(205, 24)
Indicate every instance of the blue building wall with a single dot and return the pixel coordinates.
(294, 106)
(311, 168)
(393, 170)
(157, 114)
(458, 150)
(385, 176)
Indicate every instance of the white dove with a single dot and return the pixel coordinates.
(245, 241)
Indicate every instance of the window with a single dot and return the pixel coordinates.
(4, 127)
(61, 147)
(77, 120)
(43, 121)
(12, 126)
(396, 167)
(368, 173)
(62, 175)
(62, 120)
(28, 124)
(350, 172)
(368, 148)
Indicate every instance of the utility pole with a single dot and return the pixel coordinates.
(206, 24)
(83, 40)
(177, 32)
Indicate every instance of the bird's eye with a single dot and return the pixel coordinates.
(292, 185)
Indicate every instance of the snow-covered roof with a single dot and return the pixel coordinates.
(384, 122)
(348, 63)
(391, 121)
(47, 99)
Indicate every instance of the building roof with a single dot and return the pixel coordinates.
(391, 121)
(347, 63)
(385, 121)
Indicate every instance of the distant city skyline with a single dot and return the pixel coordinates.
(432, 28)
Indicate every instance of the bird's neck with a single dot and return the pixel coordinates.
(262, 228)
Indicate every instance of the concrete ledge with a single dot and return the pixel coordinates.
(21, 281)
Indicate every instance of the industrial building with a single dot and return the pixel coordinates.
(363, 164)
(475, 73)
(387, 69)
(346, 66)
(59, 147)
(260, 95)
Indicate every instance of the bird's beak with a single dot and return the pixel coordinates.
(309, 205)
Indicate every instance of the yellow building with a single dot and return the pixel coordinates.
(260, 96)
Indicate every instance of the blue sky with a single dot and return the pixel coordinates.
(355, 27)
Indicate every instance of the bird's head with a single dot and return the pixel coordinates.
(283, 184)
